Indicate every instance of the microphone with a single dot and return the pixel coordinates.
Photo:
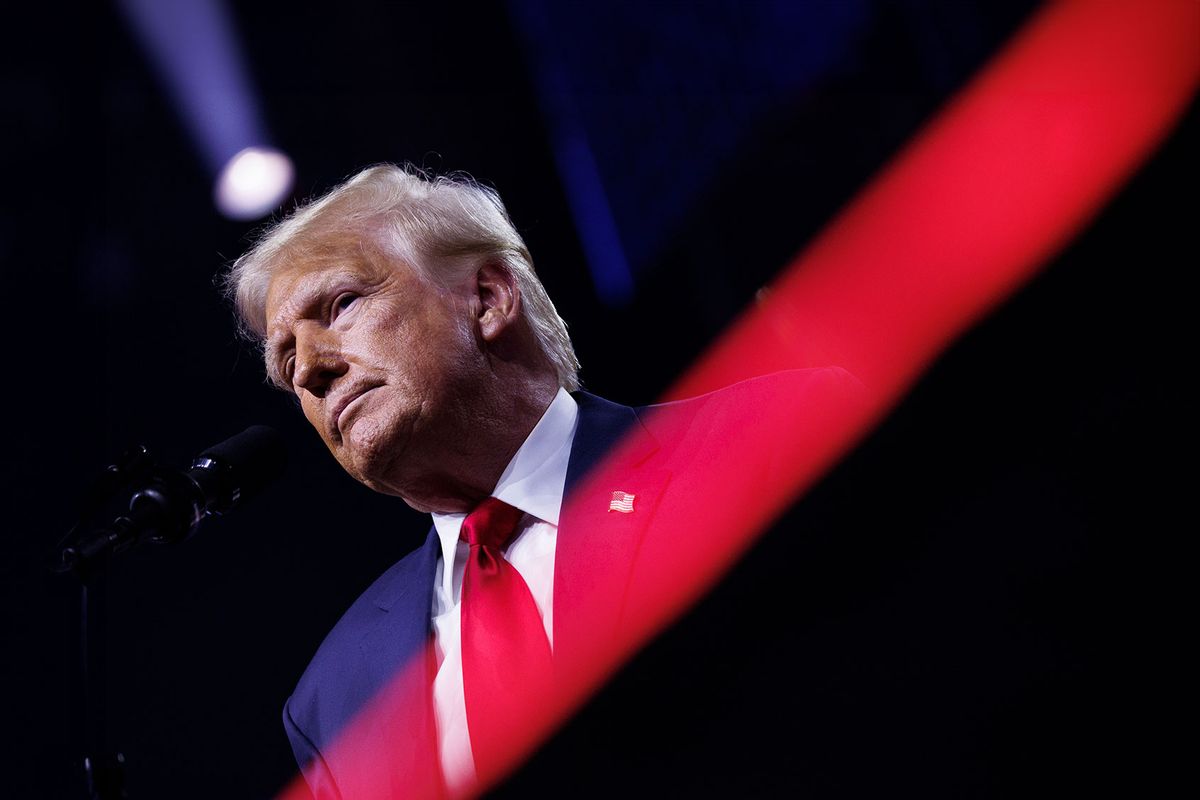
(168, 505)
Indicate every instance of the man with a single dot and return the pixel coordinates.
(405, 315)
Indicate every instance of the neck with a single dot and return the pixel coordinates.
(477, 457)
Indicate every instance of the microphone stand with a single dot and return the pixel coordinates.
(103, 764)
(166, 507)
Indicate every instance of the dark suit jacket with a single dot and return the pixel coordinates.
(668, 458)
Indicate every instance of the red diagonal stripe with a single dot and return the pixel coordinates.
(993, 187)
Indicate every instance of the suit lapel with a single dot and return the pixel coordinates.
(597, 547)
(406, 603)
(601, 425)
(398, 652)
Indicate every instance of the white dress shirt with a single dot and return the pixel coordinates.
(533, 481)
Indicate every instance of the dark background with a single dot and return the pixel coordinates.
(976, 583)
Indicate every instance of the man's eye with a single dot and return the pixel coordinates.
(289, 369)
(343, 303)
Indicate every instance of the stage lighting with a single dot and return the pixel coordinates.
(253, 183)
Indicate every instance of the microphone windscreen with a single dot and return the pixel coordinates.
(255, 457)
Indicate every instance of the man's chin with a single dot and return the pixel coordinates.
(370, 453)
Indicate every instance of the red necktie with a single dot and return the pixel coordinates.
(504, 643)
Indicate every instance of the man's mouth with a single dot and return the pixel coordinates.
(343, 407)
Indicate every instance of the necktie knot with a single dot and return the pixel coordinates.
(491, 524)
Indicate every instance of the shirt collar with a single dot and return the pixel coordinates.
(533, 481)
(535, 478)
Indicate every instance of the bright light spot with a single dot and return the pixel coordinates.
(253, 183)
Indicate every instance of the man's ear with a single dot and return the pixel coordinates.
(499, 300)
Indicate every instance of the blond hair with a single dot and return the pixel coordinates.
(431, 222)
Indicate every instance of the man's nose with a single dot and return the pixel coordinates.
(319, 362)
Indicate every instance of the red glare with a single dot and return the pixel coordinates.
(992, 188)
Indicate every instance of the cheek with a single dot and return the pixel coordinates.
(451, 355)
(416, 363)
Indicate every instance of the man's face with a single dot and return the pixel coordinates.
(381, 360)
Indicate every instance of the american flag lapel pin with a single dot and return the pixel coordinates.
(621, 501)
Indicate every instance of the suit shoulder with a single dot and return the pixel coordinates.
(788, 386)
(788, 392)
